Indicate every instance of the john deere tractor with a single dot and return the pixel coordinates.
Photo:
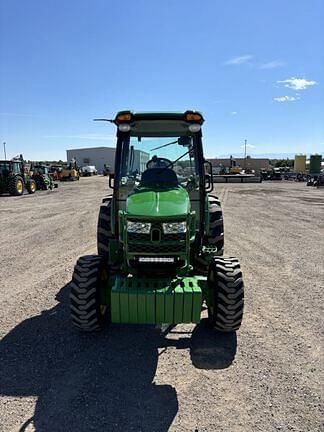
(42, 178)
(160, 234)
(14, 177)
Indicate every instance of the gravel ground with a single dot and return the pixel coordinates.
(130, 378)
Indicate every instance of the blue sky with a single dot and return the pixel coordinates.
(254, 68)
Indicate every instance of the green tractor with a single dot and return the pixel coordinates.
(160, 234)
(42, 178)
(14, 178)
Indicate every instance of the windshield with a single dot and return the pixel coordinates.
(163, 161)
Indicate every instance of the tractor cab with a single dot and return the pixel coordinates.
(160, 152)
(5, 168)
(40, 170)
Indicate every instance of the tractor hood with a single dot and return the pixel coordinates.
(158, 203)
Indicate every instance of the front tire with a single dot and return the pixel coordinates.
(226, 282)
(31, 186)
(87, 313)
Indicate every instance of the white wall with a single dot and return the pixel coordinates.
(97, 156)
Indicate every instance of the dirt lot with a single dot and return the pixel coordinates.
(267, 378)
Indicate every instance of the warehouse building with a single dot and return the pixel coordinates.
(256, 164)
(99, 156)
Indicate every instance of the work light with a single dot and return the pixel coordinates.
(124, 127)
(194, 127)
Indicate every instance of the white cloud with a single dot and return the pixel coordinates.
(285, 98)
(272, 64)
(90, 137)
(239, 60)
(233, 112)
(297, 83)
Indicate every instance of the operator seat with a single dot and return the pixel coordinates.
(159, 176)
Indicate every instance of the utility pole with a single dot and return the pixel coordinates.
(245, 142)
(4, 150)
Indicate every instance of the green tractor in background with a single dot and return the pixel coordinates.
(14, 177)
(160, 234)
(40, 173)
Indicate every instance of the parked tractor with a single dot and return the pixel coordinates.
(70, 173)
(14, 178)
(55, 172)
(160, 234)
(42, 178)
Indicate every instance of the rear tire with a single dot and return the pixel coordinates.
(16, 186)
(216, 225)
(86, 312)
(104, 233)
(226, 282)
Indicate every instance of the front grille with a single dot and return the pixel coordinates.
(135, 237)
(155, 247)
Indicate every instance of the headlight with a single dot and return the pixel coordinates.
(174, 227)
(138, 227)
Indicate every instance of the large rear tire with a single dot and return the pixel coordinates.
(87, 313)
(104, 233)
(226, 282)
(16, 186)
(214, 240)
(216, 225)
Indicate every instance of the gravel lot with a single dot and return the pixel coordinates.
(130, 378)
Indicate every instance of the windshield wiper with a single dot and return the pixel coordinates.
(165, 145)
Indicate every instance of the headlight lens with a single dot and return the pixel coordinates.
(138, 227)
(174, 227)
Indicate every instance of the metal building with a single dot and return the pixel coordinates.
(140, 160)
(97, 156)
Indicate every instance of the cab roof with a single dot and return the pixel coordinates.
(163, 124)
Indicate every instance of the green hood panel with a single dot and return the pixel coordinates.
(150, 203)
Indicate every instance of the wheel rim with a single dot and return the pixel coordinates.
(33, 187)
(19, 186)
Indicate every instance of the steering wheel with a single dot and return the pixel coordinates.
(157, 162)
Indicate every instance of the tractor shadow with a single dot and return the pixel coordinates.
(102, 381)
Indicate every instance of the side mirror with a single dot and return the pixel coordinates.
(111, 180)
(184, 141)
(209, 181)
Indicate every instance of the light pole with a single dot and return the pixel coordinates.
(245, 141)
(4, 150)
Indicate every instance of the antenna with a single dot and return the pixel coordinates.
(103, 119)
